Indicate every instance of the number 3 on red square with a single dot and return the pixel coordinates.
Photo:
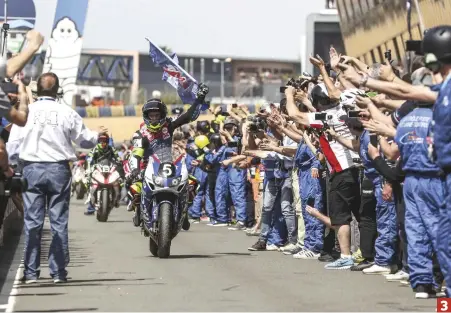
(444, 305)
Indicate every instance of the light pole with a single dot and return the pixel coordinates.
(228, 60)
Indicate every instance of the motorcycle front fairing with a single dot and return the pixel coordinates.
(165, 180)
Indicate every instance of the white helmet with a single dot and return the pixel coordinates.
(348, 96)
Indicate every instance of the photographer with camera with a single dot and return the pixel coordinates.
(344, 194)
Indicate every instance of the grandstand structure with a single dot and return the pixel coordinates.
(371, 27)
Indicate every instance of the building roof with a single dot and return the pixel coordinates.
(244, 29)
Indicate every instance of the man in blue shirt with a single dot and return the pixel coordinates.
(437, 51)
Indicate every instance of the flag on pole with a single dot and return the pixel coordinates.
(174, 74)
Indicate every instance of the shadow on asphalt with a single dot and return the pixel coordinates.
(63, 310)
(90, 282)
(236, 253)
(41, 294)
(7, 253)
(189, 256)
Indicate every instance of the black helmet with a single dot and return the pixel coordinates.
(203, 126)
(319, 95)
(215, 139)
(436, 47)
(154, 105)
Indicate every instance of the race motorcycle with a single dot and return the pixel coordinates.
(106, 183)
(79, 182)
(164, 200)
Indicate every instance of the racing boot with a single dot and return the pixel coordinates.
(186, 224)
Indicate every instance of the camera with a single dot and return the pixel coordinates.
(415, 46)
(16, 183)
(387, 55)
(353, 113)
(256, 123)
(324, 117)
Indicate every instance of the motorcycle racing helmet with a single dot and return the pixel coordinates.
(201, 141)
(215, 140)
(347, 97)
(203, 126)
(102, 141)
(154, 106)
(436, 47)
(320, 96)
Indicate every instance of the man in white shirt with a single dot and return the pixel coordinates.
(45, 152)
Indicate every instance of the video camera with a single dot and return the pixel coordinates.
(324, 117)
(299, 83)
(16, 183)
(256, 124)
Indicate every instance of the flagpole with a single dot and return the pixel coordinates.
(420, 17)
(172, 62)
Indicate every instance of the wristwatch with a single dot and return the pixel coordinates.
(363, 80)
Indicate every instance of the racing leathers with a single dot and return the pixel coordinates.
(96, 155)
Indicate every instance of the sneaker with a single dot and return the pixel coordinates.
(306, 255)
(287, 247)
(220, 224)
(404, 283)
(89, 212)
(238, 226)
(340, 264)
(272, 247)
(424, 292)
(205, 219)
(400, 275)
(28, 281)
(362, 265)
(295, 250)
(130, 207)
(326, 257)
(254, 233)
(357, 257)
(211, 223)
(258, 246)
(195, 220)
(378, 270)
(60, 280)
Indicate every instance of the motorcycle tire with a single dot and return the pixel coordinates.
(79, 191)
(102, 212)
(153, 247)
(165, 223)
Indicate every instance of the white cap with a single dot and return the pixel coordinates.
(156, 94)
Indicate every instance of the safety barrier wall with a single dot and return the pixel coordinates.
(135, 110)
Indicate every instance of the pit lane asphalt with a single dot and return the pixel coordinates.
(210, 269)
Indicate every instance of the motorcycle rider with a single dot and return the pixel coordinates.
(101, 151)
(80, 163)
(156, 134)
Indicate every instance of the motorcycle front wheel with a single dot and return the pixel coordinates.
(102, 212)
(164, 231)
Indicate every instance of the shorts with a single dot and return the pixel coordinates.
(344, 197)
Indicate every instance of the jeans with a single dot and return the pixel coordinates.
(272, 188)
(49, 187)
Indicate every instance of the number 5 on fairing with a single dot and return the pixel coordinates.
(167, 170)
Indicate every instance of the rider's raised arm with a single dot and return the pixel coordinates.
(192, 113)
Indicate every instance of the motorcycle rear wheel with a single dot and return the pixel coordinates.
(165, 231)
(79, 191)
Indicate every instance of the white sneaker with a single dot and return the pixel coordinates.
(287, 247)
(377, 270)
(272, 248)
(130, 207)
(400, 275)
(306, 255)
